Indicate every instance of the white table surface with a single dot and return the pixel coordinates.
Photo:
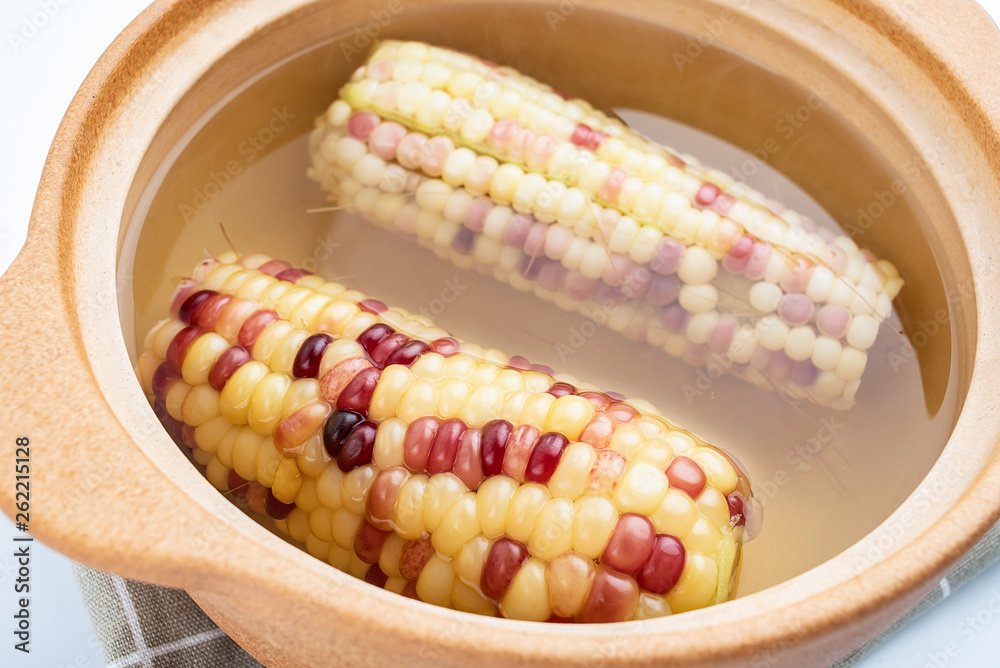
(48, 48)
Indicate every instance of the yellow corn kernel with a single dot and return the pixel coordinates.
(627, 440)
(287, 480)
(344, 527)
(217, 474)
(317, 548)
(264, 412)
(409, 514)
(388, 558)
(553, 532)
(492, 500)
(335, 317)
(306, 499)
(328, 487)
(436, 581)
(568, 416)
(657, 452)
(319, 524)
(536, 409)
(522, 512)
(594, 520)
(225, 450)
(389, 444)
(452, 393)
(442, 491)
(268, 459)
(641, 489)
(470, 560)
(339, 557)
(697, 585)
(201, 457)
(298, 524)
(200, 405)
(201, 357)
(415, 398)
(245, 454)
(570, 476)
(527, 596)
(175, 399)
(458, 526)
(468, 599)
(354, 488)
(719, 472)
(481, 406)
(314, 459)
(675, 515)
(283, 356)
(234, 400)
(209, 434)
(269, 339)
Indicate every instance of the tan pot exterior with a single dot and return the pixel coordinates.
(112, 491)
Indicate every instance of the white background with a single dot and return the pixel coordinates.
(38, 77)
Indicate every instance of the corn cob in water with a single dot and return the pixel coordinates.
(432, 467)
(502, 175)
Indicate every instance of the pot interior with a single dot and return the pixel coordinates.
(227, 170)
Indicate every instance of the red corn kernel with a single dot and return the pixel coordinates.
(468, 461)
(187, 436)
(417, 442)
(334, 381)
(207, 314)
(561, 389)
(600, 400)
(185, 289)
(172, 426)
(414, 556)
(502, 563)
(496, 434)
(182, 342)
(736, 509)
(307, 360)
(227, 364)
(357, 396)
(372, 306)
(292, 275)
(595, 140)
(387, 347)
(256, 497)
(274, 267)
(518, 362)
(724, 204)
(612, 598)
(338, 426)
(463, 241)
(441, 457)
(545, 457)
(543, 368)
(380, 504)
(237, 485)
(615, 396)
(376, 577)
(623, 412)
(358, 447)
(370, 338)
(581, 135)
(191, 305)
(630, 545)
(599, 430)
(254, 325)
(663, 568)
(446, 346)
(275, 508)
(410, 591)
(706, 194)
(163, 378)
(361, 123)
(368, 543)
(685, 474)
(407, 353)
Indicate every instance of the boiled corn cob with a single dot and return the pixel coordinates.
(432, 467)
(504, 176)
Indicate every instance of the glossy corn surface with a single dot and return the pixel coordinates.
(504, 176)
(432, 467)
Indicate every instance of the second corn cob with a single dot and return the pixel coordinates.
(502, 175)
(432, 467)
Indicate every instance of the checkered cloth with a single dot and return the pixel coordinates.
(142, 626)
